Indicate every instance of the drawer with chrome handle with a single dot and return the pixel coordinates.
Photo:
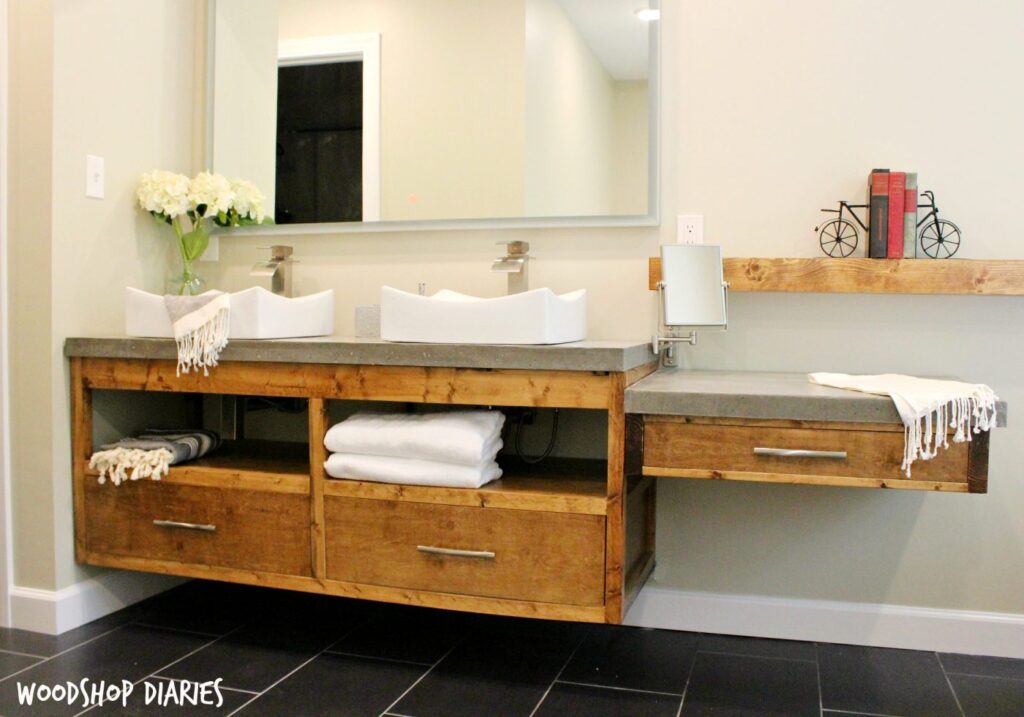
(199, 525)
(468, 550)
(775, 451)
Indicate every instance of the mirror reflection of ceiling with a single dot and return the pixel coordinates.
(488, 109)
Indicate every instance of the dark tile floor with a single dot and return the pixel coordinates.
(291, 655)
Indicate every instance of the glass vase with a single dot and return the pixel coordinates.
(186, 282)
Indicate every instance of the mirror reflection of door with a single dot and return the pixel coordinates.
(319, 143)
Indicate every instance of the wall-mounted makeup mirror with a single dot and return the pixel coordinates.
(353, 115)
(692, 294)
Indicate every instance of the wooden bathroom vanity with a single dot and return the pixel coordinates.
(568, 539)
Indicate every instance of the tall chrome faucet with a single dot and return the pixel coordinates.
(278, 269)
(516, 265)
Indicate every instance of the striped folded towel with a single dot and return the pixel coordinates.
(151, 454)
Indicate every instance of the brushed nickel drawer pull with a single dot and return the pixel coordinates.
(482, 554)
(799, 453)
(206, 527)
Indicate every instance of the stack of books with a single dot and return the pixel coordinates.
(892, 230)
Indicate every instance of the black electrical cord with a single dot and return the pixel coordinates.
(551, 441)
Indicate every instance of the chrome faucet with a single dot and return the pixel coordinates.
(515, 263)
(279, 269)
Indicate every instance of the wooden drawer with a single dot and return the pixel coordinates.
(515, 554)
(245, 529)
(866, 455)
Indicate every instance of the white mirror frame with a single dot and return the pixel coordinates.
(651, 218)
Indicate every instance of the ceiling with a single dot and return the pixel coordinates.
(614, 34)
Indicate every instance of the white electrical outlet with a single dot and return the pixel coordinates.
(94, 176)
(690, 229)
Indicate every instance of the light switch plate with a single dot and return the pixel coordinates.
(690, 229)
(94, 176)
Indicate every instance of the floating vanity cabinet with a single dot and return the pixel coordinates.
(780, 428)
(568, 539)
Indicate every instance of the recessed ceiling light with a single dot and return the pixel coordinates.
(648, 14)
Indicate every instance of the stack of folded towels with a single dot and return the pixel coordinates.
(454, 449)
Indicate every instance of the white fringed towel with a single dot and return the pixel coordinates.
(410, 471)
(200, 326)
(927, 406)
(466, 438)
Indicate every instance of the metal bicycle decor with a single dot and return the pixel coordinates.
(937, 238)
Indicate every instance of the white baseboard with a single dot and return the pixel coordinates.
(916, 628)
(57, 611)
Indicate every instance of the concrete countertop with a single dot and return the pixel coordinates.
(579, 356)
(757, 395)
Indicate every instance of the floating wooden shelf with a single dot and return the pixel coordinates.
(869, 276)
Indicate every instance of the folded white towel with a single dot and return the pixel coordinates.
(462, 437)
(410, 471)
(927, 407)
(200, 326)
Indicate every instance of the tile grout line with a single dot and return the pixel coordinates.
(164, 667)
(420, 678)
(817, 672)
(380, 659)
(756, 657)
(686, 687)
(554, 681)
(274, 684)
(986, 677)
(620, 689)
(24, 654)
(62, 652)
(860, 714)
(949, 684)
(200, 633)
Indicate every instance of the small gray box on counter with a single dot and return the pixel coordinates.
(368, 321)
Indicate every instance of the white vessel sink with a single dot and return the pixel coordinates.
(255, 314)
(533, 317)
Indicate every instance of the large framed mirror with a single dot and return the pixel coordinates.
(357, 115)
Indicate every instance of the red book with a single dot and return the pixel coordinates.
(897, 200)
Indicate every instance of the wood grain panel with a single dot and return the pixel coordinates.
(558, 485)
(255, 530)
(564, 389)
(422, 598)
(541, 557)
(698, 450)
(615, 538)
(318, 477)
(992, 277)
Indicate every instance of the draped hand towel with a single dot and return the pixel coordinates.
(150, 454)
(200, 326)
(927, 407)
(466, 438)
(410, 471)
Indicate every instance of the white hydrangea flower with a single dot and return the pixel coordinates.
(163, 192)
(213, 190)
(248, 200)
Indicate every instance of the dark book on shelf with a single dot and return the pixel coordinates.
(878, 228)
(897, 199)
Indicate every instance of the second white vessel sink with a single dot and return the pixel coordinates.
(255, 314)
(539, 316)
